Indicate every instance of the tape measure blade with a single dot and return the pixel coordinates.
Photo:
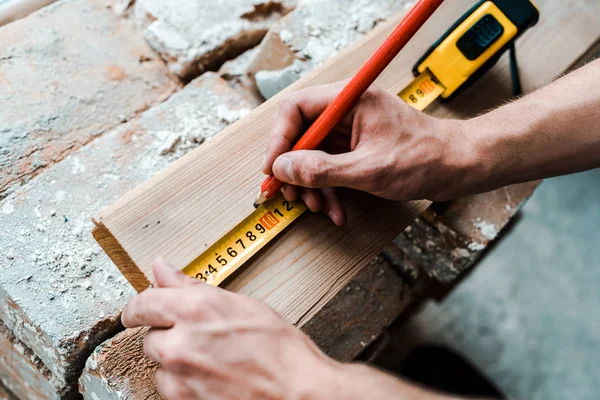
(422, 91)
(242, 242)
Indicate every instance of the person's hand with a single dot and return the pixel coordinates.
(218, 345)
(383, 146)
(214, 344)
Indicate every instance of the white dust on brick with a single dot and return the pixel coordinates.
(318, 30)
(56, 284)
(489, 231)
(193, 128)
(195, 36)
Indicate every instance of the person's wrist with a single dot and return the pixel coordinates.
(466, 157)
(359, 381)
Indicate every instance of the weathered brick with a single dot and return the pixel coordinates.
(312, 34)
(21, 371)
(196, 36)
(234, 72)
(6, 394)
(59, 293)
(448, 239)
(68, 73)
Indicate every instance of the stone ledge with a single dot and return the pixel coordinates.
(59, 293)
(68, 73)
(196, 36)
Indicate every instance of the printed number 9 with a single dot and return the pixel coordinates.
(260, 228)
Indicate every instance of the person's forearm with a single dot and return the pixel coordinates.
(552, 131)
(356, 381)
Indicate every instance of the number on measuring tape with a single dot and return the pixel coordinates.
(242, 242)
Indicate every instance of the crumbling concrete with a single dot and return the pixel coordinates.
(313, 33)
(234, 72)
(68, 73)
(60, 295)
(196, 36)
(448, 239)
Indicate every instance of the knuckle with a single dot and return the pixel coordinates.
(173, 355)
(204, 305)
(289, 102)
(313, 172)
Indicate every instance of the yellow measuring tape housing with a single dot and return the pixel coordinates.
(469, 47)
(448, 63)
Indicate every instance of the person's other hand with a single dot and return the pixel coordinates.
(215, 344)
(383, 146)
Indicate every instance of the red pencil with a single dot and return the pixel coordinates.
(344, 101)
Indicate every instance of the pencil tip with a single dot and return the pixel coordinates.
(261, 198)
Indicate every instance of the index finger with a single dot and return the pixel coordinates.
(294, 110)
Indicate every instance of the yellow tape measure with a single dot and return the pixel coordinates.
(235, 248)
(230, 252)
(422, 91)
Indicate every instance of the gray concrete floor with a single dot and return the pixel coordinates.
(529, 315)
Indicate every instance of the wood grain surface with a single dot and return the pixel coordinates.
(200, 197)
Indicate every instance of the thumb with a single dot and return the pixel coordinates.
(317, 169)
(167, 276)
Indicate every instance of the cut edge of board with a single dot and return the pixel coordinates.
(119, 257)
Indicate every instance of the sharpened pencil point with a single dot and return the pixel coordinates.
(261, 198)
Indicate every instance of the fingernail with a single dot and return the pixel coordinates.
(283, 166)
(333, 215)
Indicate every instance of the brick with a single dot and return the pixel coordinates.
(6, 394)
(312, 34)
(68, 73)
(234, 72)
(59, 293)
(21, 371)
(196, 36)
(449, 238)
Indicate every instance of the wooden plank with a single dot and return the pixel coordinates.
(201, 196)
(117, 361)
